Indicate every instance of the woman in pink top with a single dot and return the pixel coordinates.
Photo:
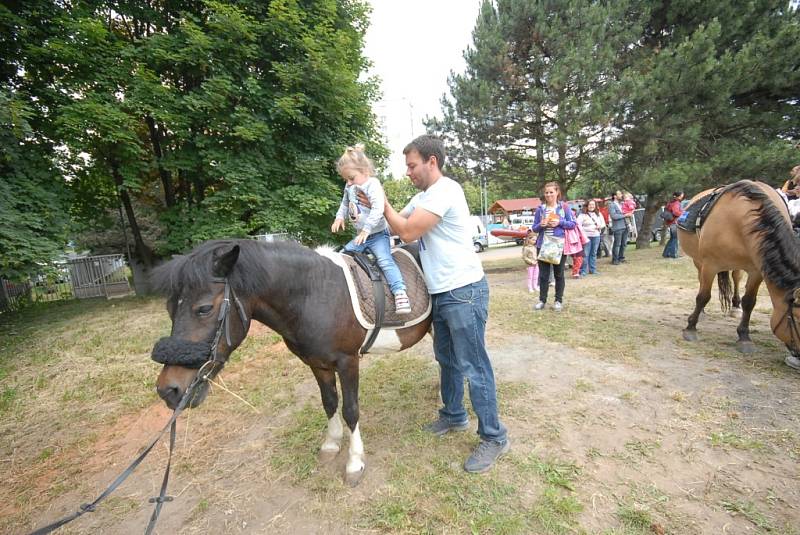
(592, 223)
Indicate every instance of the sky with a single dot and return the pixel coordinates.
(414, 45)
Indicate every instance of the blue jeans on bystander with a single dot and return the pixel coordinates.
(671, 249)
(459, 327)
(590, 255)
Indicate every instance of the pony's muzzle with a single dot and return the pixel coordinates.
(171, 394)
(172, 383)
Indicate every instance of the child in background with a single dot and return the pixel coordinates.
(357, 169)
(628, 206)
(529, 256)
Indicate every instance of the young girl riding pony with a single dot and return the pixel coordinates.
(357, 169)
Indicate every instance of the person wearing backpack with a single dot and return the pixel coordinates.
(672, 211)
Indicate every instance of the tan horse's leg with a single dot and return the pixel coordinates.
(736, 303)
(744, 344)
(706, 277)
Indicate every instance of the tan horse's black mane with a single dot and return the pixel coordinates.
(779, 247)
(258, 262)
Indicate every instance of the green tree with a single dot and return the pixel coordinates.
(712, 97)
(33, 197)
(200, 119)
(539, 90)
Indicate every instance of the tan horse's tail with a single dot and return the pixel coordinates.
(725, 290)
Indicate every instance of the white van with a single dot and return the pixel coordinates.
(479, 236)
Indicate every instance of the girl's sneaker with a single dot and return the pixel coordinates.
(401, 303)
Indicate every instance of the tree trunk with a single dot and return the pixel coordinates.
(143, 254)
(650, 222)
(166, 178)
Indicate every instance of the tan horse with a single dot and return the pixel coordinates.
(748, 229)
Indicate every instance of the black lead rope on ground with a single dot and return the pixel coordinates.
(203, 374)
(159, 501)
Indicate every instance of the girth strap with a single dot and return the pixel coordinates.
(374, 273)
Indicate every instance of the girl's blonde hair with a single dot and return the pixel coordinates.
(356, 158)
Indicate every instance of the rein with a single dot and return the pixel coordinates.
(209, 368)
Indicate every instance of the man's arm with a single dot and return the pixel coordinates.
(412, 227)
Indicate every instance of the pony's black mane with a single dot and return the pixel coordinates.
(257, 264)
(779, 247)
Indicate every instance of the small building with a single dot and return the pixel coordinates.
(505, 211)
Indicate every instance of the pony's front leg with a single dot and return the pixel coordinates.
(348, 375)
(703, 296)
(326, 379)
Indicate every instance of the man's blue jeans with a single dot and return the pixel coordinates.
(620, 241)
(590, 255)
(459, 326)
(671, 249)
(379, 244)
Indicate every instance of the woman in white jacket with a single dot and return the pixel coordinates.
(591, 221)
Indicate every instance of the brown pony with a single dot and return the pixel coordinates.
(214, 292)
(748, 229)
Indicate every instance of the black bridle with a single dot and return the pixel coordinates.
(212, 365)
(794, 328)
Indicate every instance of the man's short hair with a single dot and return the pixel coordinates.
(427, 146)
(677, 194)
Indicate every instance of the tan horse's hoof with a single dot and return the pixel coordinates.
(689, 336)
(745, 347)
(354, 478)
(326, 456)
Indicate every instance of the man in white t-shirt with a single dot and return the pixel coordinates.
(438, 216)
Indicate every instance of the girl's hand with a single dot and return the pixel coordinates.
(338, 224)
(362, 237)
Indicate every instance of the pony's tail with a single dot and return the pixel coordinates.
(725, 290)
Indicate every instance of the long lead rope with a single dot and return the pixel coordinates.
(203, 375)
(171, 424)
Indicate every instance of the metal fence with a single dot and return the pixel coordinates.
(92, 276)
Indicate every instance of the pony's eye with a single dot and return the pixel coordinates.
(204, 310)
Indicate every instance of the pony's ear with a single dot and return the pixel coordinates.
(224, 260)
(796, 295)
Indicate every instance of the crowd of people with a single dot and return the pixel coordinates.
(579, 239)
(438, 218)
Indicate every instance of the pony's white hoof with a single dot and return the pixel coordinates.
(735, 313)
(745, 347)
(354, 478)
(689, 336)
(792, 362)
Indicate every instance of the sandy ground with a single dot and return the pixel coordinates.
(706, 444)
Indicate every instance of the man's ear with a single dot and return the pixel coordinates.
(224, 260)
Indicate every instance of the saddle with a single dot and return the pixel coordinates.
(371, 307)
(696, 213)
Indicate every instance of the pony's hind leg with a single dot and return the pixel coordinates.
(703, 296)
(736, 302)
(348, 375)
(744, 344)
(326, 379)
